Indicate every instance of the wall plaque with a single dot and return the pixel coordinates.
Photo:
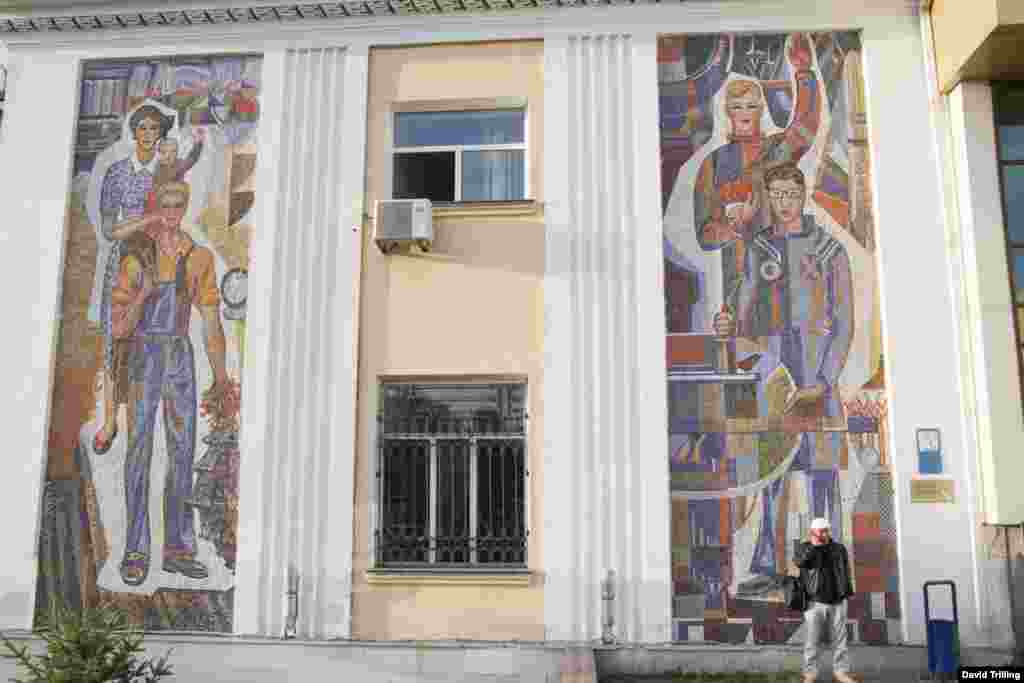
(932, 491)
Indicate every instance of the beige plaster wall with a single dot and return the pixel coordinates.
(959, 29)
(472, 308)
(1011, 12)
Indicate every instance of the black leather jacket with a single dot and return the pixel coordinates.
(812, 560)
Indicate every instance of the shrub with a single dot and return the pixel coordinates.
(91, 645)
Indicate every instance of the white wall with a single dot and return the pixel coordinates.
(934, 541)
(918, 305)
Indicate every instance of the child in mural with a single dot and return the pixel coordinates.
(162, 275)
(126, 203)
(171, 169)
(792, 297)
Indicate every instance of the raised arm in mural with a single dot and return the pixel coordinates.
(728, 202)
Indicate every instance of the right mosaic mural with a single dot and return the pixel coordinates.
(777, 404)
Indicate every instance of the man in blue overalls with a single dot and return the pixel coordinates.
(162, 275)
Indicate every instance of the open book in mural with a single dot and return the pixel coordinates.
(774, 364)
(141, 498)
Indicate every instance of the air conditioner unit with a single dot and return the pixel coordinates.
(403, 223)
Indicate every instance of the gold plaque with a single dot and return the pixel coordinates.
(931, 491)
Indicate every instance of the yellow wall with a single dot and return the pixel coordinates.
(471, 308)
(959, 28)
(977, 40)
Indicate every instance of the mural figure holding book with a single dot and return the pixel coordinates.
(792, 295)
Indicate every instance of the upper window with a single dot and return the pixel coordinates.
(460, 156)
(1009, 109)
(452, 476)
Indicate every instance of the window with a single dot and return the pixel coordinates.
(460, 156)
(1009, 109)
(452, 476)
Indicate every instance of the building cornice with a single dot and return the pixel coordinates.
(102, 19)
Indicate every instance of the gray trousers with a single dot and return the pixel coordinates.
(818, 617)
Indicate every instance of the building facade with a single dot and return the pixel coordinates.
(669, 313)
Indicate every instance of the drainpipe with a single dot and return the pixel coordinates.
(290, 628)
(608, 605)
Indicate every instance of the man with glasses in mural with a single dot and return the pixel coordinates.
(162, 276)
(791, 298)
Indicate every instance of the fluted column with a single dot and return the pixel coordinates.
(298, 462)
(605, 401)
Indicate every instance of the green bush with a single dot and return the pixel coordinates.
(92, 645)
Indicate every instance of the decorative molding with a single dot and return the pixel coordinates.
(301, 504)
(388, 579)
(605, 406)
(489, 209)
(310, 12)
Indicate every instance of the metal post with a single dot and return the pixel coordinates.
(608, 600)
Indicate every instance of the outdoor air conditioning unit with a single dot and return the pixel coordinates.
(403, 223)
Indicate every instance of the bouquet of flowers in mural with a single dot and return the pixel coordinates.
(215, 495)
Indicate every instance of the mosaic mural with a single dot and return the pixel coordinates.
(777, 410)
(141, 498)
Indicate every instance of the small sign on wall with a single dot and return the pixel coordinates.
(929, 451)
(932, 491)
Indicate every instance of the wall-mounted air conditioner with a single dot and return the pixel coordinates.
(403, 223)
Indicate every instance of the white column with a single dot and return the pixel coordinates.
(919, 307)
(988, 327)
(36, 144)
(297, 491)
(605, 405)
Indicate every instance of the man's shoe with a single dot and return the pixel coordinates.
(186, 566)
(844, 677)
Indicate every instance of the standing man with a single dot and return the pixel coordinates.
(825, 572)
(162, 276)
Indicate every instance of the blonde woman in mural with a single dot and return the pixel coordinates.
(731, 176)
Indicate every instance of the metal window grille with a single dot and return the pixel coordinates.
(452, 476)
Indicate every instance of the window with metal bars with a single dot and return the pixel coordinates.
(452, 476)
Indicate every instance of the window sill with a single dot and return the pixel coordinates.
(527, 207)
(447, 577)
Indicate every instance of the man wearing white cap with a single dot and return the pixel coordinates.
(825, 572)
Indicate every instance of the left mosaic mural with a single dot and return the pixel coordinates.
(140, 504)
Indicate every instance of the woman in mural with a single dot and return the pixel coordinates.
(727, 200)
(127, 190)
